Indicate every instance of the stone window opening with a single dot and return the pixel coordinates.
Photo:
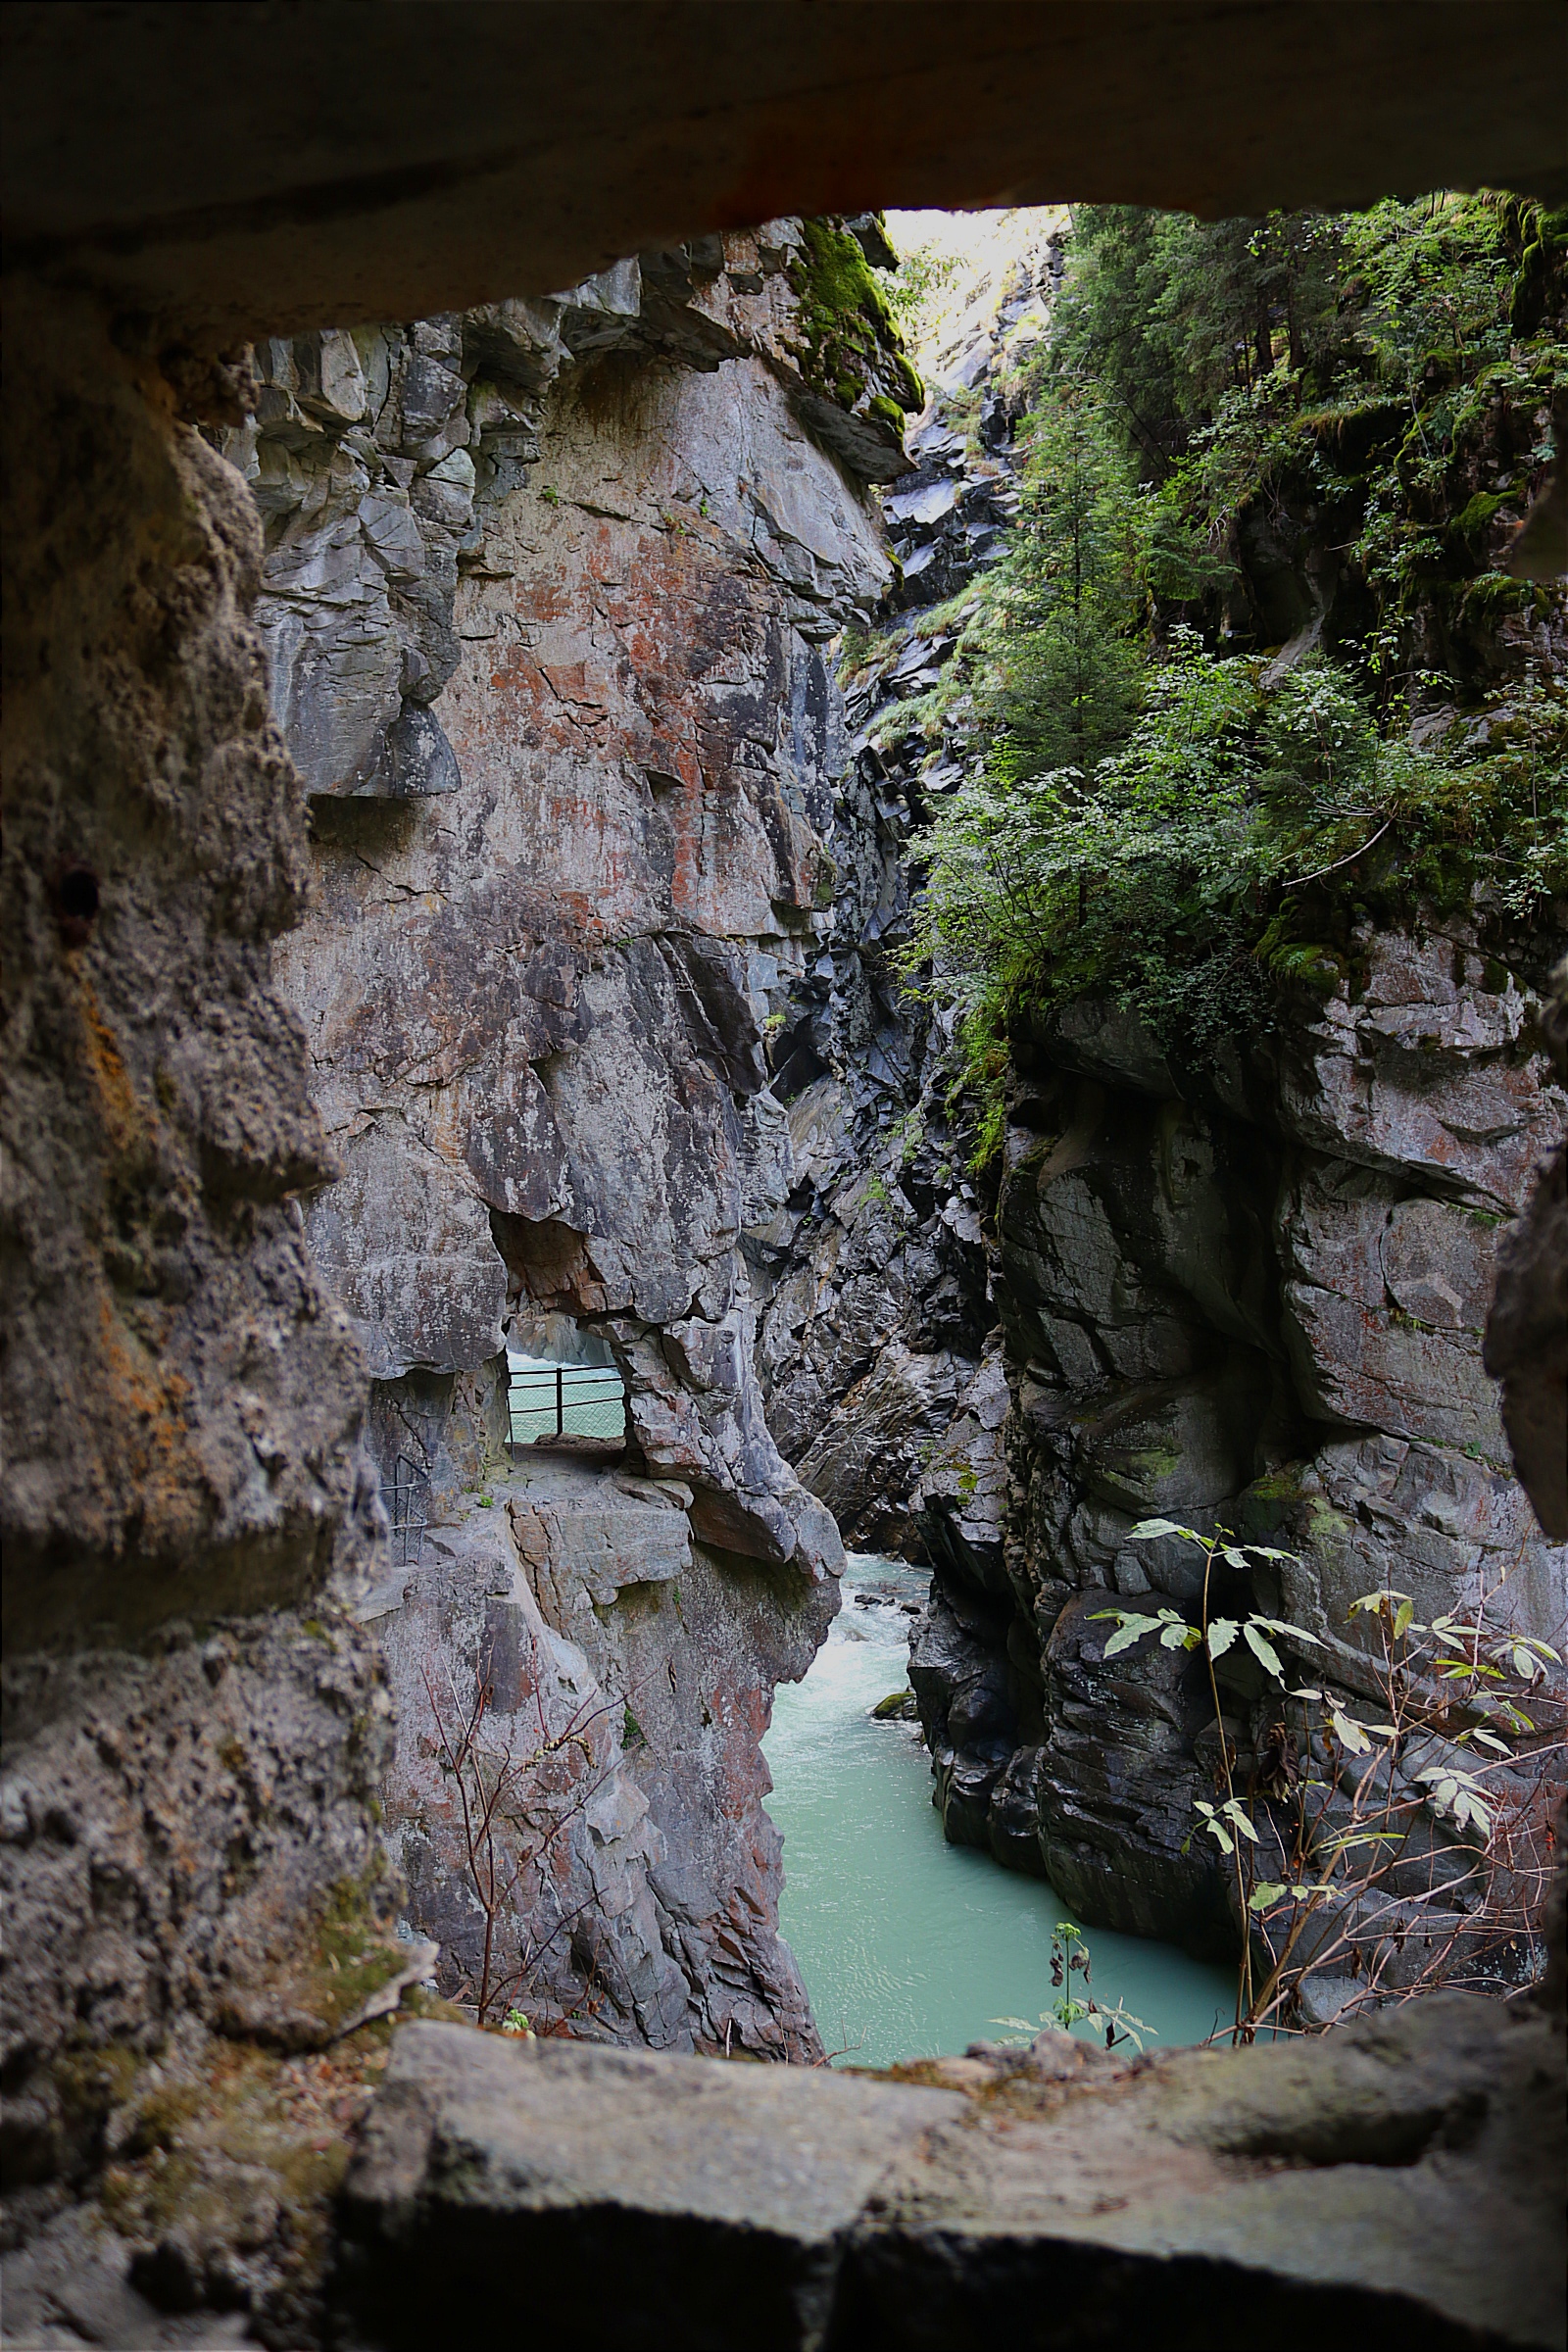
(564, 1387)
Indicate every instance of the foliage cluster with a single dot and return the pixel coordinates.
(1162, 812)
(1355, 365)
(917, 288)
(1348, 1810)
(1231, 842)
(1115, 2021)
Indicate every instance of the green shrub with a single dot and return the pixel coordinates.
(1147, 821)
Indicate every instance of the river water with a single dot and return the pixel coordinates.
(911, 1947)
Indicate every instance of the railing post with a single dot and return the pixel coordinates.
(561, 1408)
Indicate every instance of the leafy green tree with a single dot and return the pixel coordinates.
(1170, 315)
(1148, 821)
(1064, 641)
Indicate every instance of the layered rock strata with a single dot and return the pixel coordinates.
(878, 1285)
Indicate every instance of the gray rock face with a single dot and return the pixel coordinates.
(1396, 2184)
(536, 1006)
(193, 1729)
(877, 1288)
(1526, 1332)
(627, 1672)
(1309, 1374)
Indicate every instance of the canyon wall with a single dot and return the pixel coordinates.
(1246, 1291)
(879, 1331)
(548, 590)
(194, 1724)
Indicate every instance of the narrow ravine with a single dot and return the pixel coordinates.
(910, 1946)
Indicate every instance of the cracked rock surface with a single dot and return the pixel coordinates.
(1387, 2184)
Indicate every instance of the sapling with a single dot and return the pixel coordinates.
(1347, 1880)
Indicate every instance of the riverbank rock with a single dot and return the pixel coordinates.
(1399, 2183)
(626, 1672)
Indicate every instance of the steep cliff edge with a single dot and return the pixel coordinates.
(1239, 1286)
(879, 1328)
(194, 1724)
(548, 588)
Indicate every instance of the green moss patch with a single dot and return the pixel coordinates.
(849, 348)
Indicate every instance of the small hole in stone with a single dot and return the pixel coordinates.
(77, 894)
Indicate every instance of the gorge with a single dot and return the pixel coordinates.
(463, 901)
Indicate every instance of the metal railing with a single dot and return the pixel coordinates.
(406, 1499)
(567, 1400)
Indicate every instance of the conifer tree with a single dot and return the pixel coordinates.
(1068, 665)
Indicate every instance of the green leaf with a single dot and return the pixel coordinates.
(1294, 1633)
(1150, 1527)
(1235, 1813)
(1131, 1630)
(1180, 1637)
(1404, 1618)
(1349, 1734)
(1221, 1633)
(1264, 1895)
(1335, 1847)
(1263, 1651)
(1307, 1691)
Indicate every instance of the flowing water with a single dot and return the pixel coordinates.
(910, 1946)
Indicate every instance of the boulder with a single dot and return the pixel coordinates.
(1398, 2184)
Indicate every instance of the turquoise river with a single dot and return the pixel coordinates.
(910, 1946)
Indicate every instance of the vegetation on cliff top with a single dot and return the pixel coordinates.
(1248, 677)
(849, 340)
